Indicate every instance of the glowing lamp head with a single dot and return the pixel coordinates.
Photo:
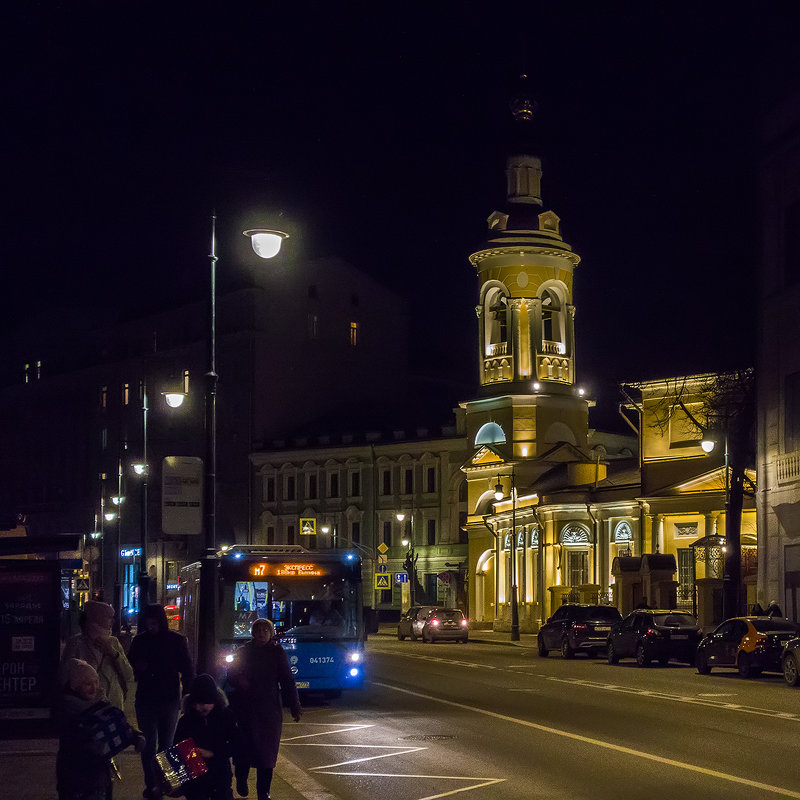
(325, 529)
(707, 445)
(109, 516)
(96, 534)
(117, 501)
(400, 516)
(229, 659)
(499, 494)
(174, 399)
(140, 469)
(536, 386)
(266, 243)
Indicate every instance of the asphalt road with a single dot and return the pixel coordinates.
(482, 721)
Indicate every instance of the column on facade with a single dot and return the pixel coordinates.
(656, 533)
(709, 526)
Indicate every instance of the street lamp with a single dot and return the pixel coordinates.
(266, 243)
(499, 494)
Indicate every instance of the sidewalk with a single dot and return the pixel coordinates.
(475, 635)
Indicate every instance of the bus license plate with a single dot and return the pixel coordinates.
(302, 684)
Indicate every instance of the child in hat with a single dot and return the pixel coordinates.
(91, 731)
(208, 720)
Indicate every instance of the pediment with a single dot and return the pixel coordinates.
(485, 456)
(713, 481)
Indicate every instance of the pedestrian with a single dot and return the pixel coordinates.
(261, 684)
(162, 667)
(773, 609)
(209, 721)
(96, 645)
(757, 611)
(83, 762)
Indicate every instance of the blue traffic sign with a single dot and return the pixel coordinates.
(401, 577)
(383, 568)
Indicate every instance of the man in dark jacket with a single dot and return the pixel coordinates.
(161, 664)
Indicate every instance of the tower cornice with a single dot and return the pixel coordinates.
(522, 250)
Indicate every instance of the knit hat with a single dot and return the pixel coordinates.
(203, 690)
(98, 613)
(75, 672)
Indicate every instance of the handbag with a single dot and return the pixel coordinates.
(180, 764)
(104, 729)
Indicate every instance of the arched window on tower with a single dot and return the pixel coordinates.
(551, 317)
(496, 322)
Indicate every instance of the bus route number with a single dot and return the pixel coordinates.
(320, 660)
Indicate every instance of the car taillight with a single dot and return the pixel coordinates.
(761, 641)
(580, 626)
(653, 632)
(463, 623)
(434, 622)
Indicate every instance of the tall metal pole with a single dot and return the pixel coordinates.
(144, 578)
(206, 638)
(514, 606)
(117, 558)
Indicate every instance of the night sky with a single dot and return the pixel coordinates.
(377, 129)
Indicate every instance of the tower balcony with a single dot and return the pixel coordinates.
(553, 348)
(497, 349)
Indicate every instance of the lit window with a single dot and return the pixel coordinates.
(104, 397)
(353, 334)
(126, 393)
(186, 381)
(38, 370)
(27, 373)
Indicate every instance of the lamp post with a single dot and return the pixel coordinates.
(410, 564)
(266, 243)
(499, 494)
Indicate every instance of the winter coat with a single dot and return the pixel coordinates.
(261, 681)
(80, 766)
(114, 670)
(218, 733)
(160, 662)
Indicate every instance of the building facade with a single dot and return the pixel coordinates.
(779, 362)
(389, 497)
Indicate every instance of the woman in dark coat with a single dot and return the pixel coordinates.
(261, 682)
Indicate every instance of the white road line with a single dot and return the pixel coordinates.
(325, 733)
(765, 787)
(483, 781)
(677, 698)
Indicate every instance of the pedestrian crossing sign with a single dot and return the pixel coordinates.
(308, 527)
(383, 580)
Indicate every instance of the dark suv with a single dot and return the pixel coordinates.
(648, 635)
(577, 628)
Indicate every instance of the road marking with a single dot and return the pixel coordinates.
(484, 781)
(396, 750)
(698, 700)
(600, 743)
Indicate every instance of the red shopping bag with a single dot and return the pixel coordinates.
(180, 764)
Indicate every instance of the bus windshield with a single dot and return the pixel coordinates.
(304, 608)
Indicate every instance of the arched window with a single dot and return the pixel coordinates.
(534, 536)
(551, 323)
(495, 320)
(623, 533)
(490, 433)
(574, 534)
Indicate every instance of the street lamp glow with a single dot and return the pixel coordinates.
(400, 516)
(96, 534)
(174, 399)
(405, 542)
(118, 500)
(266, 242)
(499, 494)
(326, 528)
(707, 445)
(140, 469)
(109, 516)
(536, 386)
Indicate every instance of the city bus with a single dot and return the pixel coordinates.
(313, 597)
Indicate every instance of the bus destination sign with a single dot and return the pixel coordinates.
(293, 569)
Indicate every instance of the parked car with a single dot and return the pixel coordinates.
(654, 635)
(577, 628)
(412, 621)
(749, 644)
(790, 660)
(433, 623)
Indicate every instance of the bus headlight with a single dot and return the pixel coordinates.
(354, 657)
(229, 659)
(353, 673)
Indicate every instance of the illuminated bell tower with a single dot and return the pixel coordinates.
(526, 315)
